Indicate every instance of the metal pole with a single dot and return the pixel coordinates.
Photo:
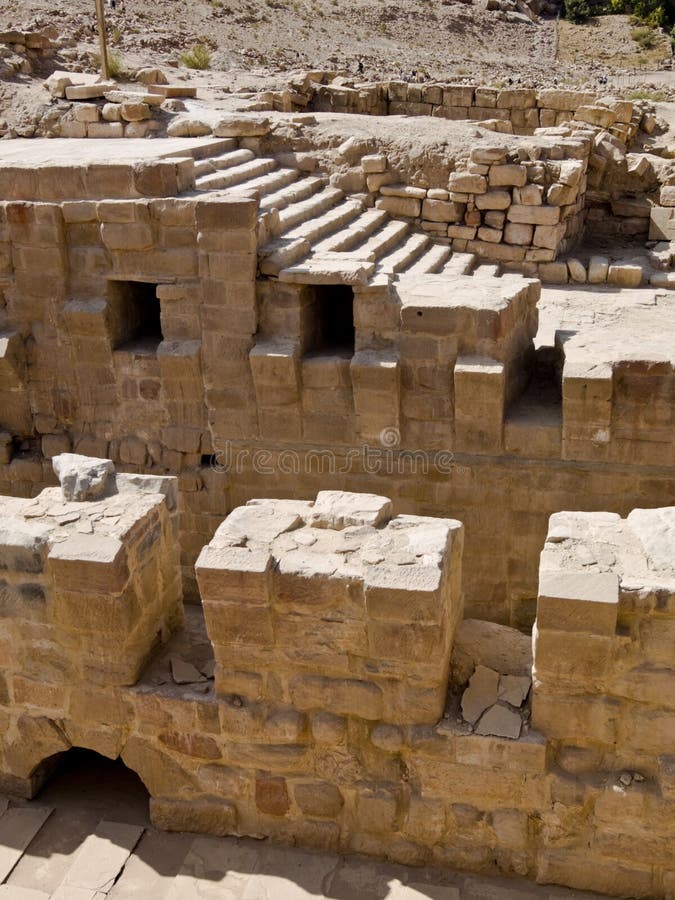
(100, 15)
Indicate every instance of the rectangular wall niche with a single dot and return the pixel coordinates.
(333, 318)
(134, 315)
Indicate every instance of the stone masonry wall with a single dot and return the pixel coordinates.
(228, 373)
(572, 788)
(512, 110)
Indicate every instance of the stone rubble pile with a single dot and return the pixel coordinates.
(22, 51)
(494, 703)
(100, 109)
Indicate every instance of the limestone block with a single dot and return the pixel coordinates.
(516, 98)
(561, 195)
(625, 275)
(662, 224)
(572, 601)
(87, 91)
(457, 95)
(515, 233)
(408, 207)
(480, 386)
(134, 112)
(238, 125)
(105, 130)
(151, 75)
(598, 267)
(90, 562)
(529, 195)
(507, 175)
(374, 164)
(494, 219)
(595, 115)
(491, 235)
(111, 112)
(83, 477)
(577, 270)
(464, 182)
(534, 215)
(23, 545)
(72, 129)
(441, 211)
(189, 126)
(494, 200)
(87, 112)
(338, 509)
(548, 236)
(489, 155)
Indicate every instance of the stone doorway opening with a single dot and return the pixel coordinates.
(334, 319)
(84, 780)
(135, 319)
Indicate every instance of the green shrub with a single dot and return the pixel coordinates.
(197, 57)
(115, 65)
(577, 10)
(644, 37)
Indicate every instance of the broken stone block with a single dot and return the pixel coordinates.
(480, 694)
(151, 75)
(500, 721)
(338, 509)
(184, 672)
(83, 477)
(514, 689)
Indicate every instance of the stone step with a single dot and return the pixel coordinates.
(357, 232)
(266, 184)
(281, 253)
(297, 213)
(487, 271)
(300, 190)
(237, 175)
(431, 261)
(383, 240)
(460, 264)
(330, 221)
(99, 862)
(404, 255)
(223, 161)
(18, 827)
(335, 268)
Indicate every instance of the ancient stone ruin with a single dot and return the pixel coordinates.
(287, 415)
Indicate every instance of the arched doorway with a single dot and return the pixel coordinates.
(85, 792)
(84, 780)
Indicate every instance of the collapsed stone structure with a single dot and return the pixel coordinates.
(333, 721)
(225, 313)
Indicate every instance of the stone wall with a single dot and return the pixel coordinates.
(225, 388)
(516, 207)
(588, 778)
(510, 109)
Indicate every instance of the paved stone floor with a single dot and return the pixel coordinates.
(74, 854)
(32, 153)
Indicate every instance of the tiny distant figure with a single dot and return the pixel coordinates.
(402, 76)
(413, 75)
(359, 68)
(111, 4)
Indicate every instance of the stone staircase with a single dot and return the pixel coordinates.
(311, 232)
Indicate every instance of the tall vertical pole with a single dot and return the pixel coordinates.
(100, 15)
